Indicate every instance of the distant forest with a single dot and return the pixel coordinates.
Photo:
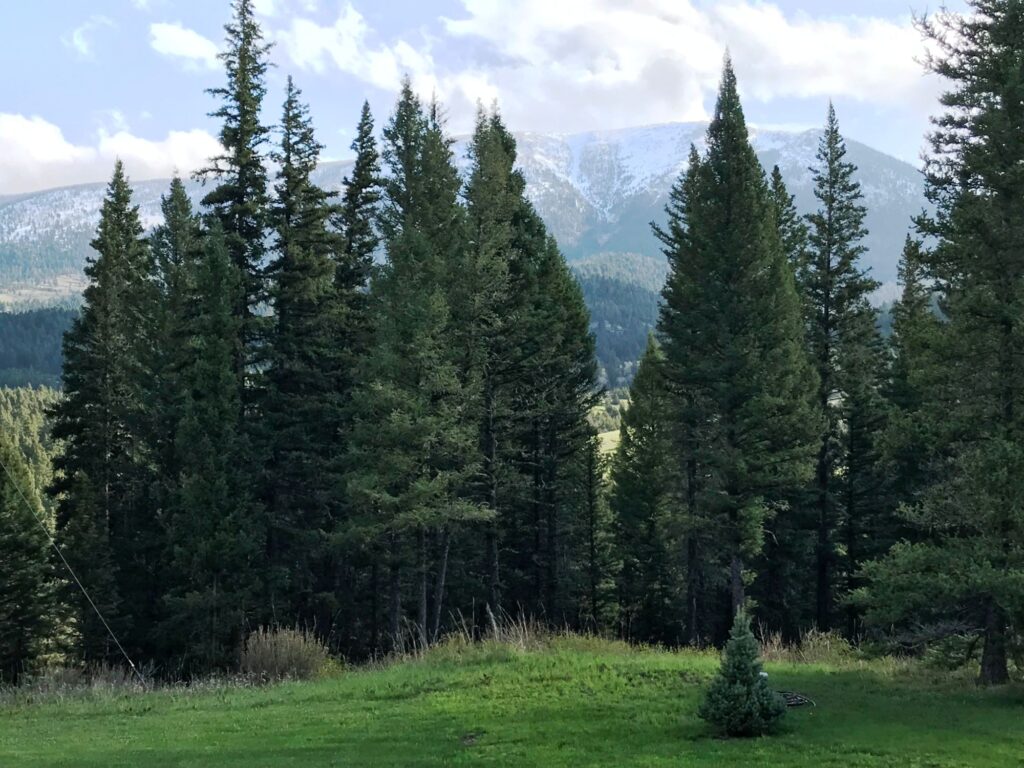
(30, 346)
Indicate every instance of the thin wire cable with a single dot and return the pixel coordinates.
(56, 548)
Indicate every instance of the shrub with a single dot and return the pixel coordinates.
(739, 701)
(280, 654)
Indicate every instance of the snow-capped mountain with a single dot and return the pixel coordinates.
(597, 191)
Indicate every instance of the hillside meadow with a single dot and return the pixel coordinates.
(566, 701)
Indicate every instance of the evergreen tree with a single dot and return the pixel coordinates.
(792, 228)
(485, 304)
(412, 448)
(732, 336)
(175, 245)
(594, 540)
(739, 701)
(910, 443)
(359, 559)
(27, 601)
(648, 532)
(304, 402)
(971, 564)
(105, 519)
(558, 389)
(358, 215)
(846, 351)
(214, 538)
(240, 199)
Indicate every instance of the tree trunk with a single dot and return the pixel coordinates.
(442, 573)
(736, 590)
(824, 555)
(421, 617)
(395, 598)
(994, 669)
(491, 468)
(693, 570)
(493, 572)
(374, 608)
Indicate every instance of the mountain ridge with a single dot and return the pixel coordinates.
(598, 191)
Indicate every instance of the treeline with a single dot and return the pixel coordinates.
(778, 454)
(261, 427)
(30, 346)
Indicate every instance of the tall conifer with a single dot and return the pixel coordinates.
(105, 518)
(732, 336)
(972, 562)
(304, 402)
(845, 349)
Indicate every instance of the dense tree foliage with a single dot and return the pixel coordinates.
(30, 349)
(735, 367)
(970, 559)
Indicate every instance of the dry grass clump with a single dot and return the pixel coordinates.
(271, 654)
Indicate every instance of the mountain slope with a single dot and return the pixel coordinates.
(598, 193)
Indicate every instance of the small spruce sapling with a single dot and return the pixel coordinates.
(739, 701)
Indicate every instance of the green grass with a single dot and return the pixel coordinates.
(609, 441)
(577, 703)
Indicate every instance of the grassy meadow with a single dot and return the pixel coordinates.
(558, 702)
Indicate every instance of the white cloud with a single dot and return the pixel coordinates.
(80, 38)
(180, 42)
(601, 62)
(576, 64)
(345, 45)
(38, 156)
(272, 8)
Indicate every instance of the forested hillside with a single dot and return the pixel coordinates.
(30, 346)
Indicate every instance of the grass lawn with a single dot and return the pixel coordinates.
(609, 441)
(578, 703)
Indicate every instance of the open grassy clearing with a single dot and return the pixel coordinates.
(575, 703)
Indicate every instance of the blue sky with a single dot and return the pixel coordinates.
(85, 82)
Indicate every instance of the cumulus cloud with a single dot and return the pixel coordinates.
(595, 61)
(38, 156)
(80, 39)
(576, 64)
(186, 44)
(345, 45)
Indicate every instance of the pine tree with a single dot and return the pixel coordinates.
(358, 216)
(175, 244)
(792, 228)
(27, 602)
(105, 519)
(485, 303)
(846, 351)
(648, 533)
(910, 444)
(356, 219)
(972, 562)
(732, 337)
(240, 197)
(214, 537)
(304, 403)
(594, 540)
(558, 389)
(413, 446)
(739, 701)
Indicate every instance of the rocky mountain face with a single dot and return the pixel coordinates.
(598, 193)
